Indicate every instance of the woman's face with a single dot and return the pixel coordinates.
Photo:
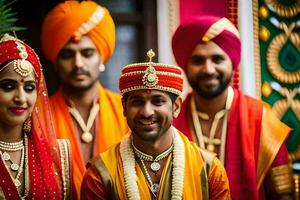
(17, 96)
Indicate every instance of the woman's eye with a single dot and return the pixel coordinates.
(7, 86)
(29, 88)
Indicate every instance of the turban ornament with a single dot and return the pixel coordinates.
(150, 75)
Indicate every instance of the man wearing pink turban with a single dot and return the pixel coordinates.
(78, 38)
(242, 131)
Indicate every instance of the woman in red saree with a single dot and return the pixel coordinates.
(33, 165)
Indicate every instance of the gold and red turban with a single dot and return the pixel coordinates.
(73, 19)
(202, 29)
(24, 57)
(150, 75)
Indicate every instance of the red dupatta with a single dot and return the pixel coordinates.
(43, 156)
(241, 162)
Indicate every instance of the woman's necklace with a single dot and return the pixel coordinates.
(6, 147)
(86, 136)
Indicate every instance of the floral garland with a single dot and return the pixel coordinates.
(128, 160)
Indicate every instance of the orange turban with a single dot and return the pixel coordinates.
(74, 19)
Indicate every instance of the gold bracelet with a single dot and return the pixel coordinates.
(281, 177)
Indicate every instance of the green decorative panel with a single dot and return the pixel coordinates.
(279, 46)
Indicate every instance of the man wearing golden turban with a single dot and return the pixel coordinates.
(78, 38)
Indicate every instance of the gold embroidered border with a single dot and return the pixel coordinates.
(256, 49)
(65, 165)
(281, 177)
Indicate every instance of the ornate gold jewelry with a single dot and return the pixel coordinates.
(211, 141)
(64, 153)
(155, 166)
(128, 161)
(27, 125)
(22, 66)
(281, 177)
(283, 10)
(150, 78)
(154, 187)
(86, 136)
(16, 146)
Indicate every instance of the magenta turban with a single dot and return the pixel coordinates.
(203, 29)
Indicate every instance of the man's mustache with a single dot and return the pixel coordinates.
(76, 72)
(208, 76)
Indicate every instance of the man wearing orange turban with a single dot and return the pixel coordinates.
(78, 38)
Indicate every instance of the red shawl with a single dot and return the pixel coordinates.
(254, 143)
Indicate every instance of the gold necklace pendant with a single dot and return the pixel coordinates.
(86, 137)
(210, 147)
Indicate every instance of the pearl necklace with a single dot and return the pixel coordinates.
(12, 147)
(130, 177)
(155, 166)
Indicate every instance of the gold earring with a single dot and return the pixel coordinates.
(102, 68)
(27, 125)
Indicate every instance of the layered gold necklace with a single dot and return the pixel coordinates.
(211, 141)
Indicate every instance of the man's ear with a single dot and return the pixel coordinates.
(124, 106)
(177, 107)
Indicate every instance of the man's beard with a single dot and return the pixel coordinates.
(210, 92)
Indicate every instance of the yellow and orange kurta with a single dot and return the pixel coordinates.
(104, 178)
(111, 127)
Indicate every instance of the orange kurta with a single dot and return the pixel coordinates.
(104, 179)
(111, 127)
